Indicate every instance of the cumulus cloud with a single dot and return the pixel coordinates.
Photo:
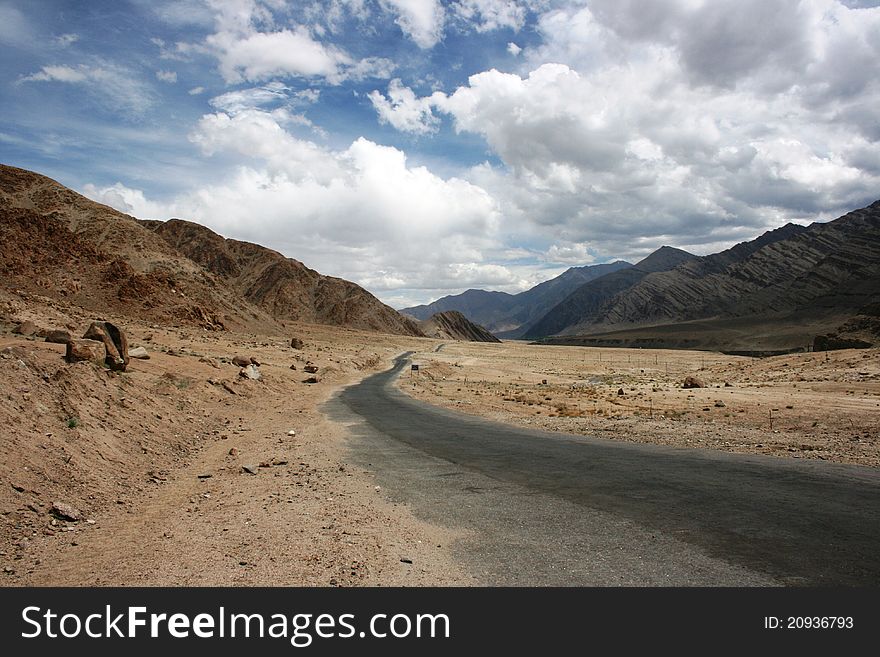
(403, 110)
(397, 222)
(632, 138)
(249, 47)
(513, 49)
(420, 20)
(575, 254)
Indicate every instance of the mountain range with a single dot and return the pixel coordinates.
(778, 291)
(508, 315)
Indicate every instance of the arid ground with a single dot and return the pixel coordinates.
(823, 405)
(185, 473)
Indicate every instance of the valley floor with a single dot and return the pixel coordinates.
(185, 473)
(810, 405)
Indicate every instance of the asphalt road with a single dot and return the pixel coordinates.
(539, 508)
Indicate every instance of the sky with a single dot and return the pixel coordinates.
(421, 148)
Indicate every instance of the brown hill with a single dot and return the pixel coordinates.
(794, 282)
(59, 244)
(590, 297)
(452, 325)
(283, 287)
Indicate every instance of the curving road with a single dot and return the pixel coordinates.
(541, 508)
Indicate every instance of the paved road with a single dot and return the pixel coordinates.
(544, 508)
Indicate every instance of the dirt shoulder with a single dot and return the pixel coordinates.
(822, 405)
(154, 460)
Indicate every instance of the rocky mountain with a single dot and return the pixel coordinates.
(59, 244)
(506, 314)
(589, 298)
(822, 274)
(452, 325)
(283, 287)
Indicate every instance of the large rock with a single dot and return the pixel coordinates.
(65, 511)
(241, 361)
(296, 343)
(26, 328)
(310, 368)
(138, 352)
(251, 372)
(85, 350)
(692, 382)
(115, 344)
(59, 337)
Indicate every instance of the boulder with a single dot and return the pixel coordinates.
(241, 361)
(59, 337)
(312, 379)
(692, 382)
(82, 350)
(26, 328)
(115, 344)
(139, 352)
(296, 343)
(311, 369)
(64, 511)
(251, 372)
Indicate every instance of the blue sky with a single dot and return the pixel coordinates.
(421, 147)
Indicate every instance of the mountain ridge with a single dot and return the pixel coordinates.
(453, 325)
(507, 314)
(61, 244)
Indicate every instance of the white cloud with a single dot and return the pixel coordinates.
(58, 74)
(513, 49)
(116, 87)
(260, 56)
(249, 48)
(627, 144)
(487, 15)
(403, 110)
(420, 20)
(233, 102)
(363, 212)
(196, 91)
(167, 76)
(575, 254)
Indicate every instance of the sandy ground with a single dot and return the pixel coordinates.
(821, 405)
(153, 458)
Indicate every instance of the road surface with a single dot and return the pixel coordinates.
(539, 508)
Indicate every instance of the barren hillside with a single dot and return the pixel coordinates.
(452, 325)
